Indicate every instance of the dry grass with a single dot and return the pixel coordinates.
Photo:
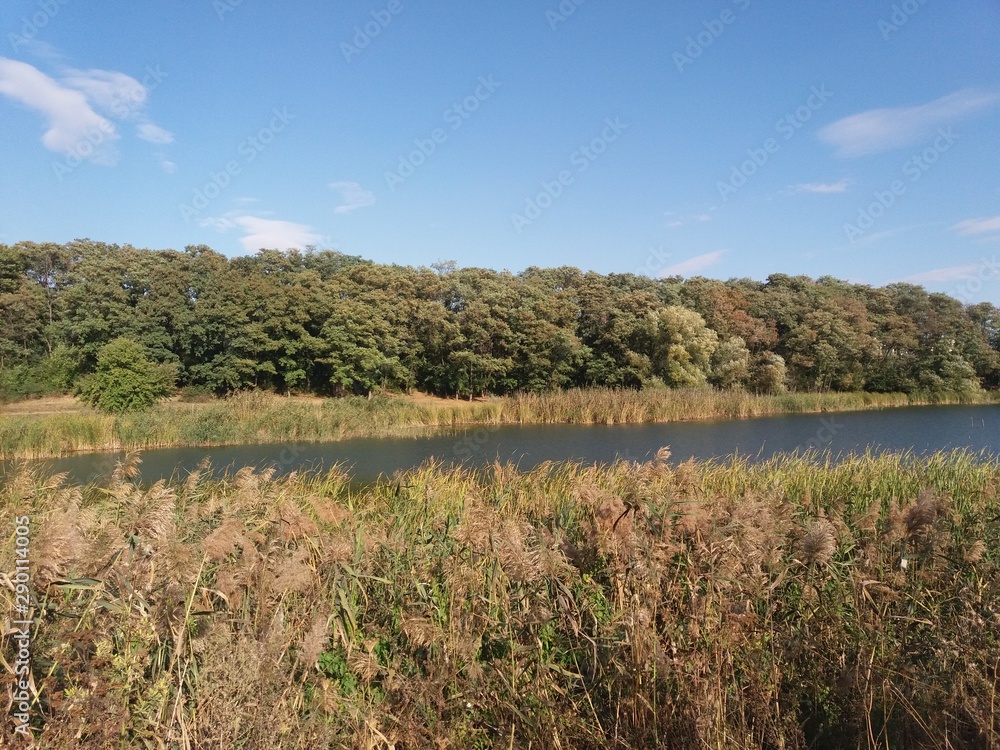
(701, 605)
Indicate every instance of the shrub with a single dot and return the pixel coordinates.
(125, 379)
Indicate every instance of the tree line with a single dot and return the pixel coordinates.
(333, 324)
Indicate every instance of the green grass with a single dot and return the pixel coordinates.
(264, 418)
(699, 605)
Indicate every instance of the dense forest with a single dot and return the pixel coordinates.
(332, 324)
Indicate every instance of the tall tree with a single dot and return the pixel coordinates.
(682, 346)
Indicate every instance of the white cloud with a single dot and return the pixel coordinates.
(154, 133)
(978, 226)
(73, 125)
(822, 187)
(876, 238)
(879, 130)
(115, 94)
(675, 220)
(218, 223)
(276, 234)
(692, 266)
(79, 106)
(353, 197)
(259, 232)
(951, 273)
(165, 164)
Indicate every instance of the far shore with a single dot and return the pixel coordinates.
(59, 426)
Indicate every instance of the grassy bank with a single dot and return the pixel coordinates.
(635, 606)
(265, 418)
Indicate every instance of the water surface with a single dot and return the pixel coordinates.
(919, 429)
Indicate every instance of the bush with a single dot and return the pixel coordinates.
(51, 375)
(125, 379)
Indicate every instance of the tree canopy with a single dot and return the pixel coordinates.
(328, 323)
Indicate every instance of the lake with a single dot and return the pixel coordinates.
(918, 429)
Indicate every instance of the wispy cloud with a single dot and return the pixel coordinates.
(822, 187)
(692, 266)
(79, 106)
(113, 93)
(971, 227)
(939, 275)
(71, 120)
(220, 224)
(154, 133)
(352, 197)
(675, 220)
(879, 130)
(165, 164)
(877, 237)
(260, 232)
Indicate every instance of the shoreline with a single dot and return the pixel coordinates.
(258, 418)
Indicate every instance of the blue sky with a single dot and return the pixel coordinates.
(724, 138)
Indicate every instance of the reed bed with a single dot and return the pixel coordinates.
(257, 417)
(787, 604)
(606, 406)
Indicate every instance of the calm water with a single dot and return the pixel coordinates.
(919, 429)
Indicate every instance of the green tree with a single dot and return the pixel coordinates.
(613, 327)
(892, 366)
(769, 373)
(125, 379)
(362, 351)
(726, 310)
(682, 347)
(321, 321)
(731, 364)
(546, 350)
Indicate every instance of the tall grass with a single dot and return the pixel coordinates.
(262, 417)
(785, 604)
(606, 406)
